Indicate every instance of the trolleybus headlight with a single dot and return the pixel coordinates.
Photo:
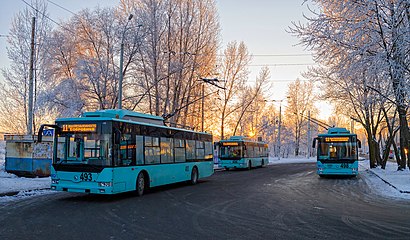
(105, 184)
(55, 181)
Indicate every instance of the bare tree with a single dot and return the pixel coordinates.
(301, 100)
(14, 106)
(234, 71)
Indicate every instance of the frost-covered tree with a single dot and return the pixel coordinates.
(178, 48)
(362, 46)
(15, 90)
(249, 117)
(234, 72)
(301, 101)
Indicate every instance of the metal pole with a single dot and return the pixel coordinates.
(351, 126)
(308, 135)
(202, 107)
(30, 83)
(121, 75)
(279, 127)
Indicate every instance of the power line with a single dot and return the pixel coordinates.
(49, 18)
(280, 55)
(281, 64)
(280, 80)
(61, 7)
(4, 35)
(274, 55)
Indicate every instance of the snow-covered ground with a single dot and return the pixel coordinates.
(19, 187)
(388, 182)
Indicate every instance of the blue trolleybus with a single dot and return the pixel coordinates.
(242, 152)
(115, 151)
(337, 152)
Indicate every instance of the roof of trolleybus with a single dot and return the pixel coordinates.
(241, 139)
(336, 132)
(125, 116)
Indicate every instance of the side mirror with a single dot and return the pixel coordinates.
(359, 143)
(314, 143)
(41, 130)
(117, 136)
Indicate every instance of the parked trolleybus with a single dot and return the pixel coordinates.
(115, 151)
(242, 152)
(337, 152)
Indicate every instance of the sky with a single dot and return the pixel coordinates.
(260, 24)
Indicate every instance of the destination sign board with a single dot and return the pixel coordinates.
(79, 128)
(230, 144)
(336, 139)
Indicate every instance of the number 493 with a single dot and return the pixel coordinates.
(344, 165)
(86, 177)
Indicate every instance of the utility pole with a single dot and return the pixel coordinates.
(308, 135)
(279, 126)
(30, 81)
(202, 107)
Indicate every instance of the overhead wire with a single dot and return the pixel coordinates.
(253, 55)
(49, 18)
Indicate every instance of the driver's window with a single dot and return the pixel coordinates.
(74, 150)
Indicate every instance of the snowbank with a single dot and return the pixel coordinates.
(388, 182)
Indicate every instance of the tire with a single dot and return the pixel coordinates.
(194, 176)
(140, 185)
(226, 169)
(249, 165)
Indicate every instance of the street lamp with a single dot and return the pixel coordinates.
(121, 63)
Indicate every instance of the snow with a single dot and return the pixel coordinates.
(387, 183)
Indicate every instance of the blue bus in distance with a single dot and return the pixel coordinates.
(242, 152)
(114, 151)
(337, 152)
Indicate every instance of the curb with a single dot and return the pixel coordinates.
(388, 183)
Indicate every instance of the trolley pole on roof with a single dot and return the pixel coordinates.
(30, 82)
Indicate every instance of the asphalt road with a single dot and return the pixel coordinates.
(277, 202)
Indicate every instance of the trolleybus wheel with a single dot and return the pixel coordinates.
(140, 188)
(194, 176)
(249, 165)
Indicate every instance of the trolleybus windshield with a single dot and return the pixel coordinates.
(84, 145)
(231, 152)
(339, 148)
